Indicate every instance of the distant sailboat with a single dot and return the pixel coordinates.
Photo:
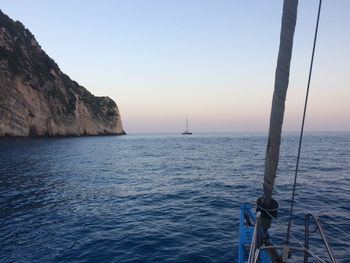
(186, 132)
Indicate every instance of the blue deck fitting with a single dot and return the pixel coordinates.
(245, 236)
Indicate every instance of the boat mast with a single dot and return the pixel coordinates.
(289, 17)
(187, 124)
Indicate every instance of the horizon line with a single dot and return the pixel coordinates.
(266, 131)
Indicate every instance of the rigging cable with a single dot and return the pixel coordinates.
(302, 125)
(295, 239)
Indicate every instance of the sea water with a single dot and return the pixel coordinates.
(162, 197)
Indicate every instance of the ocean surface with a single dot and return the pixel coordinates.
(162, 198)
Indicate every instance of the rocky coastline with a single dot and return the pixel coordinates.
(38, 99)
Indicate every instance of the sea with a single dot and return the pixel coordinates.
(164, 197)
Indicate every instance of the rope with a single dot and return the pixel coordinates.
(302, 125)
(336, 228)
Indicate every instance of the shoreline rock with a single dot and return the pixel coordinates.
(38, 100)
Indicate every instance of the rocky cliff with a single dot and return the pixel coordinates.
(38, 99)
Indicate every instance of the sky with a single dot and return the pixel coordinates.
(212, 61)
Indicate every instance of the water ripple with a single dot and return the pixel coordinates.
(160, 198)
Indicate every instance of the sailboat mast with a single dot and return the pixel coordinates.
(187, 124)
(289, 17)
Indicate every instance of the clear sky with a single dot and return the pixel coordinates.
(211, 60)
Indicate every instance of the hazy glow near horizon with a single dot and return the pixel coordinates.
(211, 61)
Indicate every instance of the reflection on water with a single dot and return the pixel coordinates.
(160, 198)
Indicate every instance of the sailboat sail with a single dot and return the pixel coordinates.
(186, 132)
(254, 227)
(289, 17)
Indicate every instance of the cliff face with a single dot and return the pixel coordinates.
(38, 99)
